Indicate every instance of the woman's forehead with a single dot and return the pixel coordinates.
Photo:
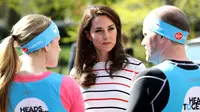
(101, 21)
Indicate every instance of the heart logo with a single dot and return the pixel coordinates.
(178, 35)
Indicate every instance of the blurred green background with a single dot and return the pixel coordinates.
(67, 15)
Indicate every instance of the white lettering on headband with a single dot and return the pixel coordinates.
(41, 40)
(169, 31)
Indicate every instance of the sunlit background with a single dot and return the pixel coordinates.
(67, 15)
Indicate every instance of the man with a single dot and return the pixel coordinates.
(174, 84)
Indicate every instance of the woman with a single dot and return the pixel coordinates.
(102, 69)
(33, 87)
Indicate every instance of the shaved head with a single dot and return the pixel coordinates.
(171, 15)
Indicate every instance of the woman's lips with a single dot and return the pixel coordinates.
(106, 43)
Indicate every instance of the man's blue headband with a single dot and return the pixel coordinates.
(169, 31)
(41, 40)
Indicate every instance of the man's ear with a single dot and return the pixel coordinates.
(162, 39)
(87, 33)
(165, 40)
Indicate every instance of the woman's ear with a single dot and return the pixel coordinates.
(47, 48)
(87, 33)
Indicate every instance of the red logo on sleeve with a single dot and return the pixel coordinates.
(178, 35)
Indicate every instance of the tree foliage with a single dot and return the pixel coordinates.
(132, 12)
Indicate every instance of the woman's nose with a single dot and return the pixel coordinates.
(106, 35)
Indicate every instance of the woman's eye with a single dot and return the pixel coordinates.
(111, 28)
(98, 31)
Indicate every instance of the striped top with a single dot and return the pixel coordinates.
(110, 94)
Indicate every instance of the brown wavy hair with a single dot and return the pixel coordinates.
(86, 55)
(22, 32)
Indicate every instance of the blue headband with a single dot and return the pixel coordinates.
(169, 31)
(41, 40)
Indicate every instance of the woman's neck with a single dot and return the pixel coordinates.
(102, 57)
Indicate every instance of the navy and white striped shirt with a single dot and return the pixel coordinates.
(110, 94)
